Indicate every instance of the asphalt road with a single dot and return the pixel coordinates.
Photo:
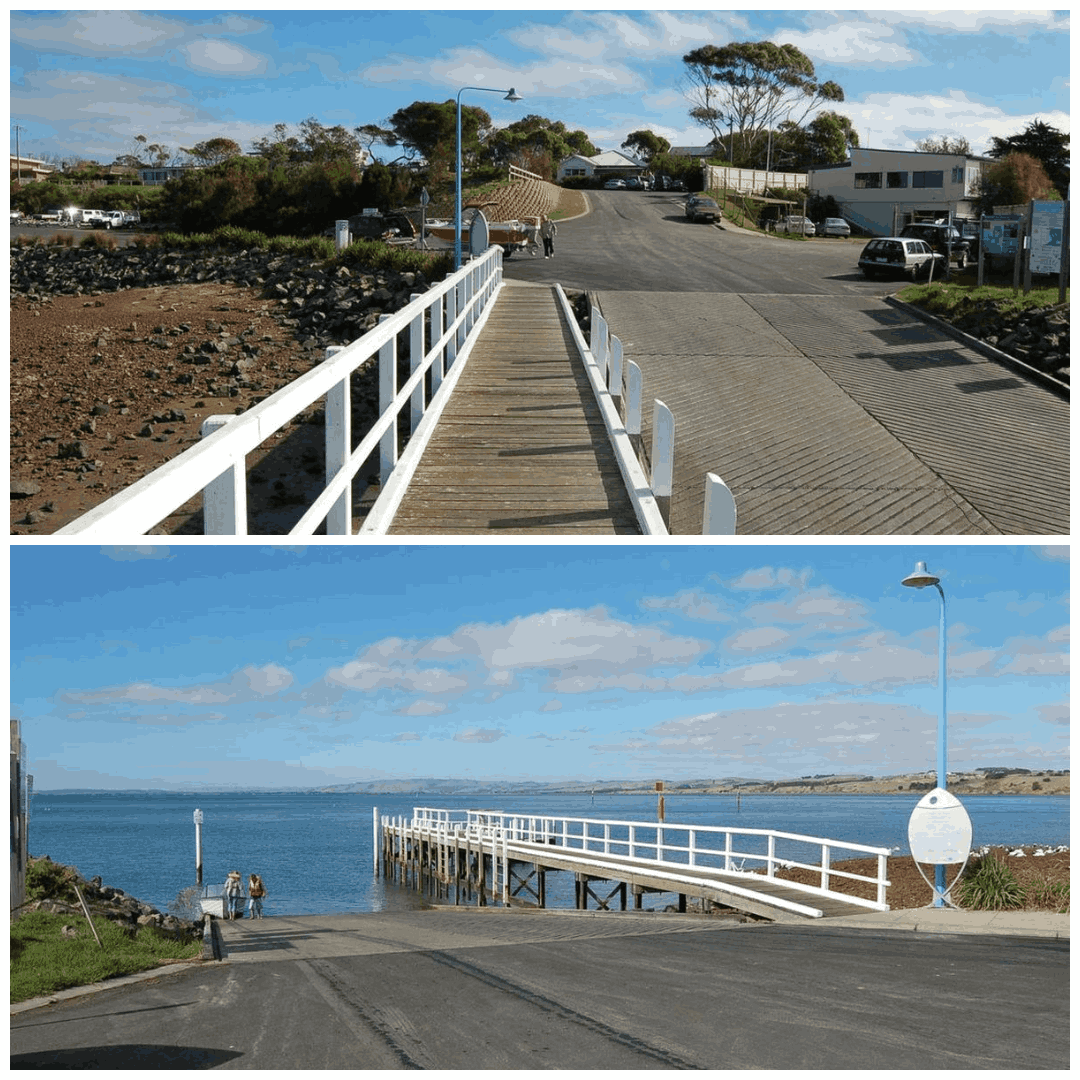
(514, 990)
(641, 241)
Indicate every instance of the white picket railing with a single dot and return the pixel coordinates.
(452, 313)
(671, 845)
(618, 388)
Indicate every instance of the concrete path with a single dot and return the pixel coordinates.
(512, 989)
(843, 415)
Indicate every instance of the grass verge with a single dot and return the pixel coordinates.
(955, 299)
(44, 960)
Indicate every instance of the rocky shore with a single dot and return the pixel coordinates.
(113, 904)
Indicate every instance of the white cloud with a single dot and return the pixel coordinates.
(479, 735)
(554, 705)
(248, 684)
(133, 553)
(874, 44)
(423, 708)
(218, 57)
(692, 604)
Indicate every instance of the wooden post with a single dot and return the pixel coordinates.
(225, 498)
(1027, 253)
(1021, 232)
(375, 838)
(659, 805)
(720, 513)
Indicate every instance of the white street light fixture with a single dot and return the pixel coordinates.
(511, 95)
(920, 578)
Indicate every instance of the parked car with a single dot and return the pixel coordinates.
(900, 256)
(834, 226)
(702, 208)
(614, 184)
(633, 183)
(797, 223)
(676, 185)
(941, 238)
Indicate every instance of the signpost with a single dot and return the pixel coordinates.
(939, 833)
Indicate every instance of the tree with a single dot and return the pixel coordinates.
(749, 85)
(1016, 180)
(213, 151)
(646, 144)
(429, 129)
(943, 144)
(1044, 143)
(537, 144)
(827, 140)
(313, 144)
(370, 134)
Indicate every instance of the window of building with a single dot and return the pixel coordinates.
(934, 178)
(867, 180)
(896, 179)
(958, 174)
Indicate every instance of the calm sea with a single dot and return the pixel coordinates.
(315, 851)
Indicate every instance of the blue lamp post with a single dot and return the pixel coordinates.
(511, 95)
(919, 578)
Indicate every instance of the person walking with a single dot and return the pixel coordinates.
(234, 894)
(548, 231)
(256, 892)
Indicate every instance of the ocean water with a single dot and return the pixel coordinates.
(315, 851)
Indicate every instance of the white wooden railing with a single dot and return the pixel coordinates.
(452, 314)
(670, 845)
(617, 384)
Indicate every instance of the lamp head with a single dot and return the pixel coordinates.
(920, 577)
(512, 96)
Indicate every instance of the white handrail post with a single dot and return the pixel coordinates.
(720, 513)
(416, 358)
(607, 838)
(771, 867)
(615, 386)
(598, 340)
(824, 866)
(337, 435)
(438, 368)
(727, 851)
(506, 872)
(451, 316)
(225, 498)
(882, 867)
(388, 444)
(663, 449)
(633, 398)
(693, 847)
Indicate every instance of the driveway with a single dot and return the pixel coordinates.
(504, 989)
(826, 410)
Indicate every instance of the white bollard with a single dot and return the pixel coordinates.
(663, 449)
(615, 381)
(720, 514)
(341, 235)
(633, 398)
(225, 498)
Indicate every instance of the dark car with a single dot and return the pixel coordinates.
(702, 208)
(900, 256)
(941, 238)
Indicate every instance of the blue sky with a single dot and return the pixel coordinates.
(86, 83)
(238, 665)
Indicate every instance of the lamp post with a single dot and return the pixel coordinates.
(919, 578)
(511, 95)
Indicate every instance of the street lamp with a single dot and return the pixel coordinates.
(919, 578)
(511, 95)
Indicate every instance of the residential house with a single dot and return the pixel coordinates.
(25, 170)
(606, 164)
(883, 190)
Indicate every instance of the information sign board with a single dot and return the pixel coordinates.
(1047, 231)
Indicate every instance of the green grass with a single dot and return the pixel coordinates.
(991, 885)
(959, 298)
(43, 961)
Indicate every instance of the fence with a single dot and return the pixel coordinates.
(751, 181)
(670, 845)
(618, 387)
(440, 327)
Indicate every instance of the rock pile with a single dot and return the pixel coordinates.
(113, 904)
(321, 304)
(1039, 337)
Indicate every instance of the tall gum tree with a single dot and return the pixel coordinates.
(749, 86)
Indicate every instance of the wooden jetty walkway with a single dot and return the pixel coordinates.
(521, 446)
(483, 857)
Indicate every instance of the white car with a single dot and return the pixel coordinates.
(835, 226)
(796, 223)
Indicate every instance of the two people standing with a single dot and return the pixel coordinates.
(234, 896)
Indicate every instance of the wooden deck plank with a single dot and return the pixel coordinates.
(521, 446)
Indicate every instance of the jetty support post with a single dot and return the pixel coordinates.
(198, 848)
(375, 839)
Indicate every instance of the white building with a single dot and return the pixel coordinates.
(606, 163)
(883, 190)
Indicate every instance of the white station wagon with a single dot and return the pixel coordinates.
(899, 256)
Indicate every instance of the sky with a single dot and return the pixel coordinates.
(86, 83)
(213, 667)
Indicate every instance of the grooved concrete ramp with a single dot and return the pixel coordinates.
(521, 446)
(843, 415)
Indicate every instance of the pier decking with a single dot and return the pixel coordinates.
(521, 446)
(482, 857)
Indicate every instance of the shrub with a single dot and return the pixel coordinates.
(1044, 893)
(48, 880)
(991, 886)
